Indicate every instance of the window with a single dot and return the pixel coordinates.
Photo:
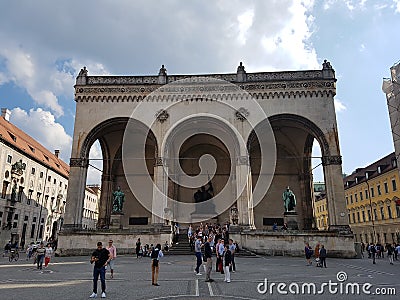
(386, 187)
(375, 214)
(389, 209)
(366, 194)
(33, 171)
(16, 217)
(361, 196)
(379, 189)
(33, 231)
(358, 217)
(4, 190)
(60, 184)
(46, 157)
(55, 181)
(13, 137)
(398, 211)
(41, 175)
(49, 178)
(20, 193)
(382, 213)
(351, 198)
(32, 149)
(372, 192)
(355, 197)
(394, 186)
(26, 218)
(46, 198)
(363, 216)
(9, 159)
(354, 217)
(15, 224)
(369, 214)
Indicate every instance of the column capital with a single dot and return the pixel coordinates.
(158, 161)
(243, 160)
(78, 162)
(331, 160)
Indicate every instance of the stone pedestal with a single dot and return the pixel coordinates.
(198, 218)
(290, 218)
(115, 222)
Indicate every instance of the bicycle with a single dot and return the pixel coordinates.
(14, 255)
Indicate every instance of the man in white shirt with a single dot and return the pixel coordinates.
(113, 251)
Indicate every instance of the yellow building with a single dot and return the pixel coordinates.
(373, 202)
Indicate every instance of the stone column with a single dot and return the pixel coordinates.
(160, 192)
(337, 211)
(76, 193)
(244, 198)
(105, 205)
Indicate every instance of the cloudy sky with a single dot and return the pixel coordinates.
(44, 43)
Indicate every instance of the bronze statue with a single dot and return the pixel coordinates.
(119, 199)
(289, 200)
(204, 194)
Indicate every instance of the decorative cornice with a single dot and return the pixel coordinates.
(331, 160)
(79, 162)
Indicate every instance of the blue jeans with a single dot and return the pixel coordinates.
(199, 261)
(40, 259)
(102, 272)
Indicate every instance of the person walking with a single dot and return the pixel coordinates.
(316, 255)
(232, 248)
(100, 257)
(322, 256)
(40, 252)
(113, 251)
(373, 252)
(208, 257)
(47, 255)
(197, 252)
(227, 263)
(308, 252)
(138, 247)
(221, 249)
(390, 252)
(156, 254)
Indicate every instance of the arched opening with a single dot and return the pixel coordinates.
(294, 137)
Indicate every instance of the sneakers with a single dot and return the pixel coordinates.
(93, 295)
(103, 295)
(198, 274)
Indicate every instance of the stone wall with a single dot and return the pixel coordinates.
(85, 242)
(292, 243)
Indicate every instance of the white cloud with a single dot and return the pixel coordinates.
(41, 125)
(245, 21)
(23, 70)
(339, 106)
(94, 175)
(396, 4)
(362, 48)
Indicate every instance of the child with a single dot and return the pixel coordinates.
(47, 255)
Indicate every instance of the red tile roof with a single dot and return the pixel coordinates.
(31, 148)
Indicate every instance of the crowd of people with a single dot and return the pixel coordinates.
(377, 251)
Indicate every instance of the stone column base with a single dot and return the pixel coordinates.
(340, 229)
(115, 222)
(290, 218)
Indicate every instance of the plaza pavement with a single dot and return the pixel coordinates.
(70, 278)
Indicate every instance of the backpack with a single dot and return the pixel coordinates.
(154, 253)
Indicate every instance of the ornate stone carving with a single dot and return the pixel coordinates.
(79, 162)
(158, 161)
(241, 114)
(162, 116)
(243, 160)
(331, 160)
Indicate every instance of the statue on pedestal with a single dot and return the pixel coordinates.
(289, 200)
(118, 202)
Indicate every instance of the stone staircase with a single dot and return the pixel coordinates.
(183, 248)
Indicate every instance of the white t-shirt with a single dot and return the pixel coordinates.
(49, 252)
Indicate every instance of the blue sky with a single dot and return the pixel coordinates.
(44, 43)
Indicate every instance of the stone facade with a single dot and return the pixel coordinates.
(298, 106)
(34, 185)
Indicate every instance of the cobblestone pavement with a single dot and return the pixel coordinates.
(70, 278)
